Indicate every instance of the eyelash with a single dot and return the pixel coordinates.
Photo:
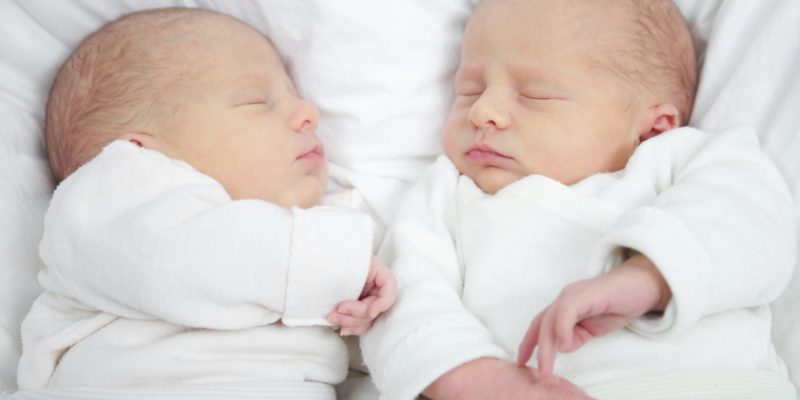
(524, 97)
(521, 97)
(469, 93)
(256, 103)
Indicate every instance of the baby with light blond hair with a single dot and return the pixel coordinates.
(184, 244)
(572, 214)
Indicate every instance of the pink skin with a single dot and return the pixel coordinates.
(591, 308)
(491, 378)
(316, 155)
(355, 317)
(485, 156)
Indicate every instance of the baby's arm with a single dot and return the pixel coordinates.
(593, 307)
(176, 248)
(720, 230)
(491, 378)
(719, 235)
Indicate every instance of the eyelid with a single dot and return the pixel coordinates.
(253, 103)
(469, 94)
(536, 96)
(250, 97)
(539, 95)
(469, 90)
(539, 91)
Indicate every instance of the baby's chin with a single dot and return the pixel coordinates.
(305, 193)
(308, 201)
(492, 181)
(491, 187)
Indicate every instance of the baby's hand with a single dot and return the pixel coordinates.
(594, 307)
(356, 316)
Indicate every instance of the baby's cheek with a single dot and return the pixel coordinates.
(450, 141)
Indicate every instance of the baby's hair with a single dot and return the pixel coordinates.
(655, 52)
(108, 87)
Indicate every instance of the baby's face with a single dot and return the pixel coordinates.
(529, 102)
(244, 124)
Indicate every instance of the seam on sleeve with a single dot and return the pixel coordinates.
(290, 270)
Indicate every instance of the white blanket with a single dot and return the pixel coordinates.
(380, 72)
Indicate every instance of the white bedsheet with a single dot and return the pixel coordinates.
(380, 72)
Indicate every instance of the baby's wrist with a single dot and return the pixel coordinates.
(649, 271)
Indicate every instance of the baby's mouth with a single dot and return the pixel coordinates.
(483, 154)
(316, 153)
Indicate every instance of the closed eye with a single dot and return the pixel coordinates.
(258, 105)
(469, 89)
(535, 97)
(253, 103)
(250, 97)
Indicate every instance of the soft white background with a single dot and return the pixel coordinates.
(380, 73)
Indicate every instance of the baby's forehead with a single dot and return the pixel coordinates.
(205, 41)
(182, 29)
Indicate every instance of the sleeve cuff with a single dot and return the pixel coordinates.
(426, 355)
(678, 255)
(329, 261)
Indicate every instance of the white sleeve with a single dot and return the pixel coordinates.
(721, 229)
(428, 331)
(168, 243)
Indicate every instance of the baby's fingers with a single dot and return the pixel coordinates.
(348, 323)
(547, 343)
(386, 294)
(381, 303)
(356, 330)
(355, 308)
(530, 340)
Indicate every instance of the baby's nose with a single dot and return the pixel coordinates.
(490, 112)
(304, 117)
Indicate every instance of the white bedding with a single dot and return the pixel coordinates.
(380, 74)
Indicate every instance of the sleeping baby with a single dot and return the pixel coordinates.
(572, 213)
(184, 244)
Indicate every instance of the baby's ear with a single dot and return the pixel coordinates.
(659, 119)
(141, 139)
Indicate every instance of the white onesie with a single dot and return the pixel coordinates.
(154, 276)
